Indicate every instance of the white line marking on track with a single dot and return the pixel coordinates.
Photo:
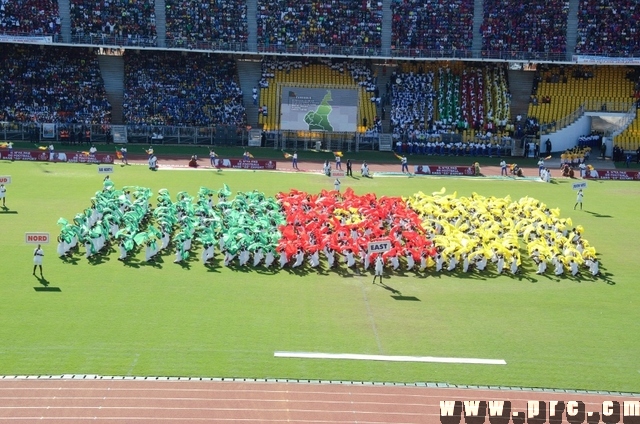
(391, 358)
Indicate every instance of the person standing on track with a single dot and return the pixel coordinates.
(405, 166)
(294, 160)
(212, 158)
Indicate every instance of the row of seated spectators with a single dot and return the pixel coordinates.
(525, 26)
(187, 89)
(432, 144)
(119, 22)
(608, 27)
(191, 23)
(432, 24)
(346, 23)
(53, 85)
(34, 17)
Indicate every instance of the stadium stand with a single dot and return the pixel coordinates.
(531, 26)
(52, 85)
(318, 26)
(29, 17)
(559, 90)
(119, 23)
(208, 24)
(323, 72)
(181, 89)
(629, 139)
(607, 27)
(432, 25)
(467, 103)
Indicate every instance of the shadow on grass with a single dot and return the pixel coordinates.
(45, 285)
(6, 211)
(68, 259)
(98, 259)
(598, 215)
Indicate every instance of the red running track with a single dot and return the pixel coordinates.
(144, 401)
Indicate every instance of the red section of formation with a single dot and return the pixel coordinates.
(348, 222)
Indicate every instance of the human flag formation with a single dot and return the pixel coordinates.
(429, 233)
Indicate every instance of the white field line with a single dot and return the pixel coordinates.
(390, 358)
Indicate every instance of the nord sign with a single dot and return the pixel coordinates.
(36, 238)
(379, 246)
(105, 169)
(5, 179)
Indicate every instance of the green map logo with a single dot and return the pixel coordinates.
(319, 119)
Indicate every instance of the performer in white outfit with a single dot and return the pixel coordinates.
(283, 258)
(123, 252)
(38, 254)
(269, 258)
(299, 258)
(379, 268)
(410, 261)
(314, 259)
(257, 257)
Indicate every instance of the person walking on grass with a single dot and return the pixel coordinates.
(38, 254)
(579, 199)
(3, 195)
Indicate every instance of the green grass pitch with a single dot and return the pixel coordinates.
(168, 320)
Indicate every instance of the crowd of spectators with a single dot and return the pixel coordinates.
(469, 98)
(432, 24)
(316, 24)
(525, 26)
(128, 23)
(205, 23)
(29, 17)
(181, 89)
(52, 85)
(608, 27)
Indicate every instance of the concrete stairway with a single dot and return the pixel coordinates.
(572, 28)
(384, 75)
(161, 22)
(112, 70)
(385, 36)
(249, 73)
(478, 11)
(520, 84)
(252, 26)
(65, 20)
